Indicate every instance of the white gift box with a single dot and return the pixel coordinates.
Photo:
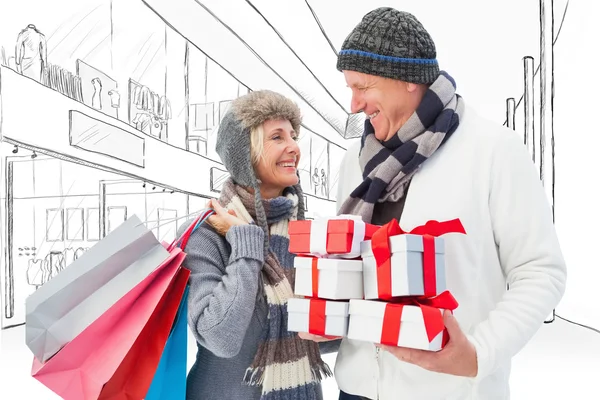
(334, 313)
(366, 323)
(336, 279)
(407, 267)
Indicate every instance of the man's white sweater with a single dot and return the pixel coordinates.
(483, 175)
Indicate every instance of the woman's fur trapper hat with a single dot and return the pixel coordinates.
(247, 112)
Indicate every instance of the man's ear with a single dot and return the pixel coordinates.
(411, 87)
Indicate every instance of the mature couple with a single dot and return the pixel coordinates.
(424, 154)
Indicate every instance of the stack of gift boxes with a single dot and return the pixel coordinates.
(376, 284)
(328, 273)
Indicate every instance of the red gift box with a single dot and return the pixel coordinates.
(433, 319)
(340, 236)
(416, 323)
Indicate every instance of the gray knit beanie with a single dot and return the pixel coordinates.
(233, 140)
(392, 44)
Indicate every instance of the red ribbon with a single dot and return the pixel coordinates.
(434, 320)
(380, 245)
(315, 277)
(316, 317)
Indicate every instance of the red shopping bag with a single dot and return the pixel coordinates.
(133, 377)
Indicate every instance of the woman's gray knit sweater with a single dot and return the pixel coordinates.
(226, 312)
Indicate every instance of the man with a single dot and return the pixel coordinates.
(425, 155)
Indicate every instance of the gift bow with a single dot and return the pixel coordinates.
(433, 319)
(380, 245)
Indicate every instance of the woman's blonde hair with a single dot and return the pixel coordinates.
(257, 143)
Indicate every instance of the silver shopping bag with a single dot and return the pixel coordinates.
(68, 303)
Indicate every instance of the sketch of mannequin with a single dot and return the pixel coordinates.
(31, 53)
(69, 256)
(35, 273)
(55, 260)
(115, 98)
(79, 252)
(97, 96)
(323, 183)
(315, 180)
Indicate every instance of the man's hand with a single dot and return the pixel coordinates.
(317, 338)
(458, 357)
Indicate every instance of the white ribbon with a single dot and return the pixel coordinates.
(318, 236)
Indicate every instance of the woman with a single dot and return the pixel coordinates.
(242, 272)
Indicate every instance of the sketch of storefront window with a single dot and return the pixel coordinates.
(93, 224)
(202, 122)
(148, 111)
(116, 215)
(96, 88)
(319, 161)
(304, 164)
(223, 107)
(336, 154)
(54, 225)
(167, 224)
(74, 224)
(217, 178)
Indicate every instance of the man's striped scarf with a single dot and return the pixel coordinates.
(388, 167)
(286, 366)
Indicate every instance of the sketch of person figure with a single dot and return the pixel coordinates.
(97, 96)
(31, 53)
(316, 180)
(323, 183)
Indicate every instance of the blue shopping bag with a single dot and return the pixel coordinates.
(169, 381)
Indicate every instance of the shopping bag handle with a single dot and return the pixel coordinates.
(182, 241)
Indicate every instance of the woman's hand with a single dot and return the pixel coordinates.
(223, 219)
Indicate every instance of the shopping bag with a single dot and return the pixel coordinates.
(170, 379)
(169, 382)
(66, 305)
(135, 373)
(82, 367)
